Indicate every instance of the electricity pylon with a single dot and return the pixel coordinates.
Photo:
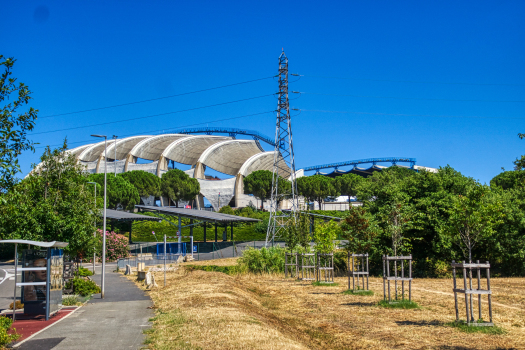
(283, 160)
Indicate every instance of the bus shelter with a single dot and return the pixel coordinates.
(42, 276)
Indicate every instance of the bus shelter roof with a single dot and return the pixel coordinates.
(202, 215)
(53, 244)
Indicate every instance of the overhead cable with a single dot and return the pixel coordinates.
(150, 116)
(154, 99)
(404, 115)
(408, 81)
(403, 98)
(168, 129)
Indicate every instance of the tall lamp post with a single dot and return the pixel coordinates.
(115, 160)
(102, 284)
(94, 233)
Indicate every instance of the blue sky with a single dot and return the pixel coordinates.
(442, 82)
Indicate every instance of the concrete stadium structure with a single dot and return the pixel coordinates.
(225, 154)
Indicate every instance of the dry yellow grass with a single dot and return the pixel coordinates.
(212, 310)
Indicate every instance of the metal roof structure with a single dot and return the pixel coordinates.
(125, 216)
(53, 244)
(202, 215)
(374, 161)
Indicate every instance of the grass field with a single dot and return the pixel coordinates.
(212, 310)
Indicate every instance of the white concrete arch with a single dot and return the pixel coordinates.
(151, 148)
(263, 161)
(124, 146)
(93, 152)
(228, 156)
(77, 150)
(187, 150)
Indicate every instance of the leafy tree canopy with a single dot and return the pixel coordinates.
(317, 188)
(178, 186)
(53, 204)
(360, 230)
(259, 183)
(509, 179)
(348, 184)
(325, 236)
(147, 184)
(13, 125)
(296, 233)
(119, 192)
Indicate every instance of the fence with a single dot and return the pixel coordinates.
(201, 250)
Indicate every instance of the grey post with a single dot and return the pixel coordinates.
(384, 275)
(103, 279)
(48, 279)
(403, 281)
(410, 275)
(479, 287)
(388, 275)
(466, 287)
(16, 268)
(488, 288)
(164, 260)
(455, 293)
(368, 271)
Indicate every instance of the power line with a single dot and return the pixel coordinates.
(402, 98)
(404, 115)
(151, 116)
(172, 128)
(408, 81)
(155, 99)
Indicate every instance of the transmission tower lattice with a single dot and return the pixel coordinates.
(283, 160)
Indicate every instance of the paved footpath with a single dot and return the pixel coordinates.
(115, 322)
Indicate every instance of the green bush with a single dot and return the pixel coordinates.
(5, 338)
(227, 210)
(83, 272)
(265, 260)
(83, 287)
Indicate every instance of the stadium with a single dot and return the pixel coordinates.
(235, 158)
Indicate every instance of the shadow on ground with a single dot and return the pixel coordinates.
(41, 344)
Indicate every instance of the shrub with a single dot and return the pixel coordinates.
(226, 210)
(5, 338)
(83, 272)
(265, 260)
(230, 270)
(83, 287)
(19, 305)
(116, 246)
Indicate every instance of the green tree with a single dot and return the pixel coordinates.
(53, 204)
(317, 188)
(13, 126)
(472, 218)
(348, 185)
(509, 179)
(147, 184)
(120, 193)
(259, 183)
(178, 186)
(296, 233)
(325, 236)
(360, 230)
(226, 210)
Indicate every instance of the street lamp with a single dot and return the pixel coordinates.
(104, 224)
(115, 160)
(94, 233)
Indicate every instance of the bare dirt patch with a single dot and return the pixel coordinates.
(212, 310)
